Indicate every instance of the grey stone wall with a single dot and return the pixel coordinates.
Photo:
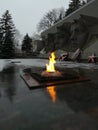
(82, 32)
(90, 9)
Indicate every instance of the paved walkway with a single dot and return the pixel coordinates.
(63, 107)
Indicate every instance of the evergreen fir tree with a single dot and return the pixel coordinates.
(7, 35)
(26, 44)
(74, 5)
(0, 40)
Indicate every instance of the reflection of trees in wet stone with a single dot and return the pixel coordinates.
(8, 82)
(10, 91)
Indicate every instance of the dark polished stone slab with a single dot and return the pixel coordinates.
(35, 80)
(47, 79)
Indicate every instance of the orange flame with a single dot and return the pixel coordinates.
(50, 67)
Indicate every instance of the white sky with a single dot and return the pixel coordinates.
(26, 14)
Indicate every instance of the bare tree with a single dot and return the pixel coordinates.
(51, 18)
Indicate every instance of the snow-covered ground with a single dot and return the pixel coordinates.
(43, 62)
(77, 65)
(5, 63)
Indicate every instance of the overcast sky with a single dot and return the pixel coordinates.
(27, 13)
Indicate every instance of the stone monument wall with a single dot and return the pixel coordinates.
(78, 30)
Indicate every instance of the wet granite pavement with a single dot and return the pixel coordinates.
(61, 107)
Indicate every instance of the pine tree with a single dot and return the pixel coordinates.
(0, 43)
(26, 44)
(74, 5)
(7, 35)
(0, 40)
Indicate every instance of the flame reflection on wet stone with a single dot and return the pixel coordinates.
(52, 93)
